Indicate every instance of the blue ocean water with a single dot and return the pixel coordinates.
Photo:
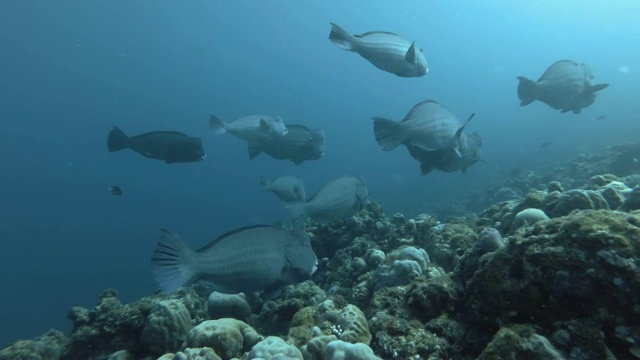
(72, 69)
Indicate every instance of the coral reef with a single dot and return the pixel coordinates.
(548, 269)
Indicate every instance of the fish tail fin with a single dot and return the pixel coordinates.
(388, 133)
(117, 140)
(172, 262)
(298, 213)
(217, 125)
(264, 183)
(527, 91)
(341, 38)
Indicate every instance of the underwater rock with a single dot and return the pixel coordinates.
(632, 202)
(554, 186)
(166, 326)
(112, 326)
(316, 347)
(228, 337)
(527, 217)
(408, 263)
(579, 266)
(234, 306)
(340, 350)
(489, 240)
(578, 199)
(375, 257)
(446, 245)
(520, 342)
(276, 314)
(430, 298)
(332, 316)
(204, 353)
(121, 355)
(273, 348)
(48, 346)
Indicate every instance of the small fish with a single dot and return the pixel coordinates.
(286, 188)
(170, 146)
(600, 117)
(447, 160)
(565, 86)
(387, 51)
(252, 128)
(298, 145)
(544, 144)
(114, 190)
(337, 200)
(428, 125)
(249, 259)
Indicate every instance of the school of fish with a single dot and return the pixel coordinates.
(266, 258)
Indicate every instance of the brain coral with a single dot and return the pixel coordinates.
(228, 337)
(166, 326)
(273, 348)
(340, 350)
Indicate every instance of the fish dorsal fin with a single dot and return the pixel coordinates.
(227, 234)
(459, 132)
(376, 33)
(410, 56)
(458, 135)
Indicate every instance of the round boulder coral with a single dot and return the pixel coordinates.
(273, 348)
(228, 305)
(527, 217)
(228, 337)
(166, 326)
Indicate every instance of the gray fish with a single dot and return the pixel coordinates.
(298, 145)
(286, 188)
(337, 200)
(386, 51)
(252, 128)
(170, 146)
(115, 190)
(447, 160)
(565, 86)
(250, 259)
(428, 125)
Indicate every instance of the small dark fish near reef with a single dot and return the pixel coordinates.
(565, 86)
(170, 146)
(386, 51)
(249, 259)
(115, 190)
(544, 144)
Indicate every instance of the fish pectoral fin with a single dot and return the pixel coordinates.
(254, 150)
(264, 126)
(598, 87)
(410, 56)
